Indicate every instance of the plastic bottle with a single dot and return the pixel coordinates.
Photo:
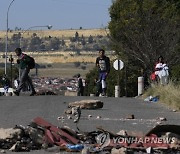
(75, 147)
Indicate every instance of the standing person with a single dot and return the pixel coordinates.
(103, 64)
(5, 83)
(24, 61)
(161, 71)
(80, 86)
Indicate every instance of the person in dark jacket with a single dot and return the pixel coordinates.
(103, 64)
(80, 86)
(23, 61)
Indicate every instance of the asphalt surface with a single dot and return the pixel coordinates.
(21, 110)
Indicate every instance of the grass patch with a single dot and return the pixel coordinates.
(63, 70)
(169, 94)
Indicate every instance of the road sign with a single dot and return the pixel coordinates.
(118, 65)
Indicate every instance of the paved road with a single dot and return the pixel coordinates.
(21, 110)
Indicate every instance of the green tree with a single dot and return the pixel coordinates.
(35, 43)
(55, 43)
(127, 81)
(144, 29)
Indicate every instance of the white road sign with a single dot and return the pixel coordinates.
(118, 65)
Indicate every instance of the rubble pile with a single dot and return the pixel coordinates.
(47, 92)
(20, 138)
(40, 134)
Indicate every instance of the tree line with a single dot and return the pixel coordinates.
(36, 43)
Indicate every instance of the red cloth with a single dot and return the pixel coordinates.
(153, 76)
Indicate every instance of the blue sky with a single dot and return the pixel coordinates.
(61, 14)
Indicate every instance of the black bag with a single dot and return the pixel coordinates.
(31, 63)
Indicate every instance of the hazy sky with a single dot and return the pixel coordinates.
(61, 14)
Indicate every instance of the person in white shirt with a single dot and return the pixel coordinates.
(161, 71)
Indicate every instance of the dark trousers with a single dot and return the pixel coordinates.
(80, 91)
(25, 78)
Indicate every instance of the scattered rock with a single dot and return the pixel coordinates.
(2, 151)
(10, 133)
(119, 151)
(36, 135)
(89, 116)
(13, 147)
(159, 122)
(130, 116)
(68, 111)
(60, 118)
(122, 132)
(87, 104)
(69, 117)
(98, 117)
(54, 149)
(162, 119)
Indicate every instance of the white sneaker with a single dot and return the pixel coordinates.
(102, 95)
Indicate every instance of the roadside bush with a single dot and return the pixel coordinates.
(49, 65)
(83, 67)
(42, 66)
(77, 64)
(175, 73)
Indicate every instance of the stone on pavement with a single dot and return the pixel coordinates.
(9, 133)
(87, 104)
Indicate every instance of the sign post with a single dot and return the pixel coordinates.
(118, 65)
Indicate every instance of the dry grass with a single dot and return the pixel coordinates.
(58, 33)
(63, 70)
(60, 57)
(169, 94)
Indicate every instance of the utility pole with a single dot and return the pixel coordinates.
(7, 29)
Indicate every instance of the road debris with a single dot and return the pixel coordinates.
(152, 99)
(162, 119)
(87, 104)
(130, 116)
(40, 134)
